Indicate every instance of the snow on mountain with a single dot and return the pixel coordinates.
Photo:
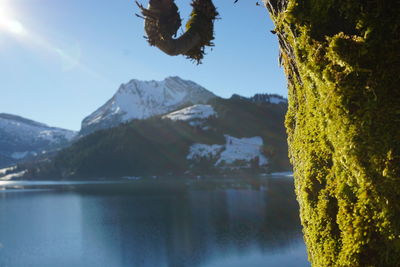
(195, 114)
(263, 98)
(277, 100)
(5, 170)
(143, 99)
(198, 151)
(11, 176)
(244, 149)
(20, 138)
(236, 151)
(268, 98)
(28, 130)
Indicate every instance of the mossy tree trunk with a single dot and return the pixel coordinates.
(342, 61)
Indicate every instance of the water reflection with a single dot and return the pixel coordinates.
(205, 224)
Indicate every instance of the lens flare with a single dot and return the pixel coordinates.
(8, 22)
(12, 26)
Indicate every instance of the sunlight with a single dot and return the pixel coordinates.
(12, 26)
(8, 22)
(4, 10)
(68, 55)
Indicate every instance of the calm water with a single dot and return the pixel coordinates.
(245, 223)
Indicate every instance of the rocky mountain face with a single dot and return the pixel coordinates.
(21, 138)
(143, 99)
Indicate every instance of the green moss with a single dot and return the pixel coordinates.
(201, 22)
(342, 60)
(162, 21)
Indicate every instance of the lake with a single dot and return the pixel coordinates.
(151, 222)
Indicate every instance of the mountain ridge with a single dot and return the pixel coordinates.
(178, 100)
(143, 99)
(21, 138)
(222, 136)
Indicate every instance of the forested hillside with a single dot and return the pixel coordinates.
(160, 146)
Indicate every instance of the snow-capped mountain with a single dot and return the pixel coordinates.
(220, 137)
(21, 138)
(268, 98)
(143, 99)
(263, 98)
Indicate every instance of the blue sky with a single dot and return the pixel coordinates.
(62, 59)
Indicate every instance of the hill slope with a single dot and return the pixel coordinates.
(253, 132)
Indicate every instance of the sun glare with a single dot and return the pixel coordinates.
(8, 22)
(12, 26)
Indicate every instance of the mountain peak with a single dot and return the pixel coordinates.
(143, 99)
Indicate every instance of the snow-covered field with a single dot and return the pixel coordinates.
(198, 151)
(245, 149)
(12, 176)
(235, 150)
(195, 112)
(3, 171)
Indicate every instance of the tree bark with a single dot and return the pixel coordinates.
(342, 62)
